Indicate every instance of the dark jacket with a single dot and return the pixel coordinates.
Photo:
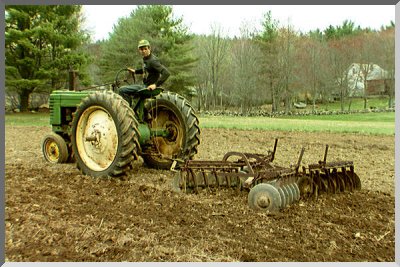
(153, 70)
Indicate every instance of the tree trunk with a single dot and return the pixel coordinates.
(341, 100)
(365, 88)
(390, 102)
(273, 109)
(199, 96)
(287, 104)
(313, 103)
(350, 104)
(24, 100)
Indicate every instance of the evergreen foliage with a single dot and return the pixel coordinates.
(169, 40)
(42, 42)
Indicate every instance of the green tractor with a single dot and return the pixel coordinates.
(104, 134)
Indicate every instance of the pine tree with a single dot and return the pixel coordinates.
(42, 43)
(169, 41)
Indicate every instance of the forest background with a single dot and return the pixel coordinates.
(273, 68)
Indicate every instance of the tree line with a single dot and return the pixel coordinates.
(275, 66)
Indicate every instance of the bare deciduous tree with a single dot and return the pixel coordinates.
(386, 60)
(246, 65)
(340, 58)
(287, 50)
(216, 49)
(307, 71)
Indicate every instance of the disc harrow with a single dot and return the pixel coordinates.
(271, 187)
(328, 177)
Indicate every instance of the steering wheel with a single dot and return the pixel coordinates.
(127, 79)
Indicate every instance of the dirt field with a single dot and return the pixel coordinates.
(53, 213)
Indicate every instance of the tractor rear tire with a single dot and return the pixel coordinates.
(54, 148)
(104, 135)
(171, 112)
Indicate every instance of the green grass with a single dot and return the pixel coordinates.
(382, 123)
(27, 119)
(371, 117)
(365, 123)
(356, 104)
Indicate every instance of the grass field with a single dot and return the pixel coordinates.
(380, 102)
(365, 123)
(356, 104)
(27, 119)
(376, 123)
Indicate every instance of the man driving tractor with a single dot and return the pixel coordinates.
(154, 73)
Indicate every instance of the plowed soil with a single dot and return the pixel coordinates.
(54, 213)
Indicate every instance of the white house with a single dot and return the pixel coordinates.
(356, 78)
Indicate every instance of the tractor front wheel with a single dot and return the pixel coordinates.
(54, 148)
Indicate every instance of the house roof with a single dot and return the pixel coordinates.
(375, 72)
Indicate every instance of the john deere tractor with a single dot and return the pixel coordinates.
(104, 134)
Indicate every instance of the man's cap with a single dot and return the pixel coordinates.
(143, 43)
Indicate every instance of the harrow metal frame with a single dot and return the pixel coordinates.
(251, 170)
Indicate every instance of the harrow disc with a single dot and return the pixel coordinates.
(340, 179)
(264, 197)
(328, 180)
(289, 194)
(323, 183)
(306, 186)
(297, 190)
(357, 181)
(294, 192)
(284, 201)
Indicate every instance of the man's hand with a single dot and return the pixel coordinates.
(131, 70)
(152, 87)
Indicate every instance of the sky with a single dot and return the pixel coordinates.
(199, 18)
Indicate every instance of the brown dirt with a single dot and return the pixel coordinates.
(53, 213)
